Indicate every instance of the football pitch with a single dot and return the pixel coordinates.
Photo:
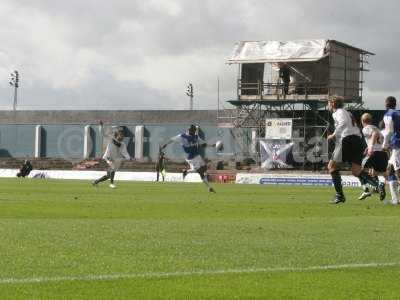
(69, 240)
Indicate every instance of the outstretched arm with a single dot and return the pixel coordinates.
(162, 147)
(175, 139)
(102, 131)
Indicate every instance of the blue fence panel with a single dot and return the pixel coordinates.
(67, 141)
(17, 140)
(63, 141)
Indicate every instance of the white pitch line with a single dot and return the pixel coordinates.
(150, 275)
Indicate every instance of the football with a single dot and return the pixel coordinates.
(219, 146)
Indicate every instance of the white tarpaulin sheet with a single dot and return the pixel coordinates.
(276, 51)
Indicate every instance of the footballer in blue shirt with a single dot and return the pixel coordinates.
(191, 144)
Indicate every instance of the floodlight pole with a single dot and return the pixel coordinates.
(15, 98)
(217, 97)
(14, 82)
(189, 93)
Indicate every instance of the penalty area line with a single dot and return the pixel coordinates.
(153, 275)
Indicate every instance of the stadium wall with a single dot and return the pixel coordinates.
(62, 133)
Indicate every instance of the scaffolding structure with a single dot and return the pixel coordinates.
(317, 69)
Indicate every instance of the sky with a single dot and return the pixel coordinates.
(128, 54)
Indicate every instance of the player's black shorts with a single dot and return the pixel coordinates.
(351, 150)
(377, 161)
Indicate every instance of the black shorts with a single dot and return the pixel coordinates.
(377, 161)
(350, 149)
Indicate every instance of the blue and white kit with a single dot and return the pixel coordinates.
(191, 146)
(392, 136)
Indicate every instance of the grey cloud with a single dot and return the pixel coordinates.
(110, 46)
(103, 93)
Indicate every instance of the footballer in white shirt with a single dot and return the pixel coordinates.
(349, 148)
(375, 159)
(115, 153)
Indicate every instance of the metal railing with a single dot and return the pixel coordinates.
(261, 89)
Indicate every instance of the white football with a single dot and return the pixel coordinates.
(219, 146)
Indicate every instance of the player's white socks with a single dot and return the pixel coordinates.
(393, 191)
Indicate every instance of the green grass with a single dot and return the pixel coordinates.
(51, 229)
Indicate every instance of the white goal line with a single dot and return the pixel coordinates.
(151, 275)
